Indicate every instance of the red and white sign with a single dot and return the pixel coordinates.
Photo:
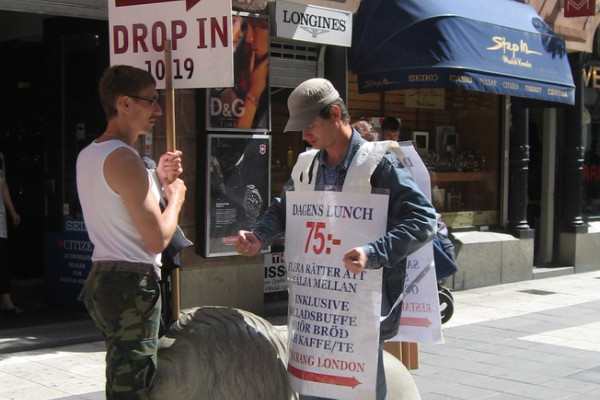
(580, 8)
(420, 321)
(333, 319)
(200, 34)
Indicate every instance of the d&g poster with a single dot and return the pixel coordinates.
(246, 105)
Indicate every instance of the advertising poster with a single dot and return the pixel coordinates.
(238, 187)
(246, 105)
(421, 318)
(275, 273)
(67, 263)
(199, 35)
(299, 22)
(333, 317)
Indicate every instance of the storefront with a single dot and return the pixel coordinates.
(591, 131)
(591, 164)
(299, 49)
(56, 113)
(475, 153)
(584, 243)
(483, 81)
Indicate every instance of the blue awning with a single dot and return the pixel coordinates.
(498, 46)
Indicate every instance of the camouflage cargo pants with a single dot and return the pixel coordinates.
(126, 308)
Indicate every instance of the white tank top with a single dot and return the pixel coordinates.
(108, 223)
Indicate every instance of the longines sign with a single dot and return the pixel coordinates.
(313, 24)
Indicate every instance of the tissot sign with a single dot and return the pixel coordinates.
(313, 24)
(199, 31)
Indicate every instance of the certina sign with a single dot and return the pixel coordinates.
(200, 35)
(313, 24)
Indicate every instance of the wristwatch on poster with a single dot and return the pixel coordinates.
(252, 203)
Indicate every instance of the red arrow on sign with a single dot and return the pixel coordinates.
(124, 3)
(420, 322)
(323, 378)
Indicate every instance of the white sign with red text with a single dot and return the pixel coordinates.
(200, 35)
(420, 321)
(333, 319)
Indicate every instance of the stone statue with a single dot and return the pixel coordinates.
(220, 353)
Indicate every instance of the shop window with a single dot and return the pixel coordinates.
(457, 134)
(591, 126)
(591, 168)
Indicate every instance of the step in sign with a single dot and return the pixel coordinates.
(200, 34)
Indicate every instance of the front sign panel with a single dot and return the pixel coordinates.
(200, 35)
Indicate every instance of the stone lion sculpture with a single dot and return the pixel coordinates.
(220, 353)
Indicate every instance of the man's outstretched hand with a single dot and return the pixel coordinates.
(247, 244)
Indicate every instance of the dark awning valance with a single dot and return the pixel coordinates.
(498, 46)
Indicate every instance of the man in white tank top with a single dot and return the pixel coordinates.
(120, 203)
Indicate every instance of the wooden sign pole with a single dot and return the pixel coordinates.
(169, 99)
(171, 146)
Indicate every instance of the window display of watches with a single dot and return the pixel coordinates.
(252, 203)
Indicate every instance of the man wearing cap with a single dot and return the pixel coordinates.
(317, 110)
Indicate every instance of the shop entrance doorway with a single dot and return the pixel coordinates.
(22, 129)
(48, 111)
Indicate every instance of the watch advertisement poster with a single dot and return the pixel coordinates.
(246, 105)
(238, 188)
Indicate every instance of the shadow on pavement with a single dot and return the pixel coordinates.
(42, 324)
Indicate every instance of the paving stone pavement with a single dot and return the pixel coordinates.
(536, 339)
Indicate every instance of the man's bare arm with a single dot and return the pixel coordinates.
(126, 175)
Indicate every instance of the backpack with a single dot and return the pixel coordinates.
(444, 256)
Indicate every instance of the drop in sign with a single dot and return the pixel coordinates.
(200, 35)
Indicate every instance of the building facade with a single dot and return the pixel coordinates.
(519, 190)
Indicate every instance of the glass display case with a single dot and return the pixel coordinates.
(459, 141)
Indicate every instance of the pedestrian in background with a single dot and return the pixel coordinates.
(8, 307)
(366, 130)
(390, 129)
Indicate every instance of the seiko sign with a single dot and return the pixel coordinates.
(313, 24)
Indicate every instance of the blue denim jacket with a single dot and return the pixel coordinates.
(411, 222)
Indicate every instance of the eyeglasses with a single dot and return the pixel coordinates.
(152, 100)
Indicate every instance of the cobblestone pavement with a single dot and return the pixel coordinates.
(536, 339)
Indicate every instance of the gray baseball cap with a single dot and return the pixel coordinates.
(307, 100)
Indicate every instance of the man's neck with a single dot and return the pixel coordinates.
(339, 148)
(115, 131)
